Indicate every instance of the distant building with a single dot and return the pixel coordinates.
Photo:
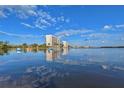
(52, 41)
(65, 44)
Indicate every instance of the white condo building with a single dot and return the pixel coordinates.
(52, 40)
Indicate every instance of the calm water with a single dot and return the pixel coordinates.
(63, 68)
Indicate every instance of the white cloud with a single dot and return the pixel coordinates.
(119, 26)
(19, 35)
(45, 15)
(41, 23)
(61, 18)
(42, 27)
(25, 11)
(44, 20)
(41, 19)
(22, 11)
(122, 38)
(114, 27)
(59, 27)
(97, 41)
(2, 14)
(95, 37)
(27, 25)
(71, 32)
(107, 27)
(67, 20)
(98, 35)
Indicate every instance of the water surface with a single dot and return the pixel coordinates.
(63, 68)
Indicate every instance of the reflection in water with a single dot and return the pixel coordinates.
(65, 51)
(4, 52)
(40, 76)
(115, 68)
(18, 51)
(26, 50)
(63, 68)
(52, 54)
(104, 67)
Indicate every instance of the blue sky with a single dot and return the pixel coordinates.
(79, 25)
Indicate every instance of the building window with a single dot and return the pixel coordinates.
(48, 43)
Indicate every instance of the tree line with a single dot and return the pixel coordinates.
(6, 45)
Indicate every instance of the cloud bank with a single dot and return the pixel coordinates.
(43, 19)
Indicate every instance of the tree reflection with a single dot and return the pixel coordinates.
(4, 52)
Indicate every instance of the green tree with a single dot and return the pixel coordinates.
(24, 45)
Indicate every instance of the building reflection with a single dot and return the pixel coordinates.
(65, 51)
(52, 54)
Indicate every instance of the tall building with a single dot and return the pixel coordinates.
(65, 44)
(52, 41)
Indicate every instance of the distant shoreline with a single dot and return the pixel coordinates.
(101, 47)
